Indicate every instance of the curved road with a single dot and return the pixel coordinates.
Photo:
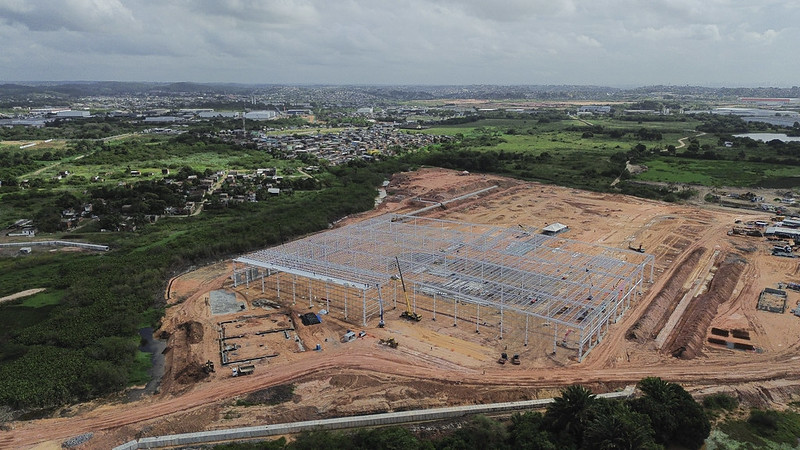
(682, 141)
(602, 365)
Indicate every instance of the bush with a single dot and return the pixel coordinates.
(764, 421)
(721, 401)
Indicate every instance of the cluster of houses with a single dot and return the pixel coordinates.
(353, 143)
(22, 228)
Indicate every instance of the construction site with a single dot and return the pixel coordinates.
(462, 289)
(512, 286)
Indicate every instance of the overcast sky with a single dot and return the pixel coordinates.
(590, 42)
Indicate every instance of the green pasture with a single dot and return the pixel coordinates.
(138, 372)
(45, 298)
(161, 239)
(715, 172)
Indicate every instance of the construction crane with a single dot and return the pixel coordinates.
(408, 313)
(566, 335)
(381, 324)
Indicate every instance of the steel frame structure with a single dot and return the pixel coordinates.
(579, 288)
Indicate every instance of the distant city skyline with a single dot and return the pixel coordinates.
(612, 43)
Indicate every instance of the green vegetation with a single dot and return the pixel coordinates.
(138, 372)
(47, 298)
(762, 429)
(573, 153)
(74, 342)
(576, 420)
(723, 402)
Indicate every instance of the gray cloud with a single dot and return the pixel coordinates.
(614, 42)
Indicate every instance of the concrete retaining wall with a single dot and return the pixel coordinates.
(393, 418)
(102, 248)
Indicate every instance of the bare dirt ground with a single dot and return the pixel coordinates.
(703, 280)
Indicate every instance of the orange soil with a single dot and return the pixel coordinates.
(437, 364)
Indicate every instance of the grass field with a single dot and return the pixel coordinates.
(46, 298)
(54, 144)
(714, 173)
(573, 153)
(138, 375)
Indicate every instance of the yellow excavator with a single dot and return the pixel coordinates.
(408, 313)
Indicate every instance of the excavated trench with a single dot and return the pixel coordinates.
(660, 309)
(687, 339)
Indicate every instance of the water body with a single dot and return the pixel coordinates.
(766, 137)
(156, 348)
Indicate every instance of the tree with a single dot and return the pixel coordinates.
(569, 413)
(615, 426)
(675, 416)
(528, 432)
(481, 432)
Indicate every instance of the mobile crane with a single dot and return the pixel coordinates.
(381, 324)
(408, 313)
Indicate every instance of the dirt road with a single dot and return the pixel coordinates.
(22, 294)
(362, 376)
(353, 362)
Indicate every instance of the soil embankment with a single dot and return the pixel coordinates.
(687, 339)
(659, 310)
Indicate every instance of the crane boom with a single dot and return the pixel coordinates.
(408, 313)
(381, 324)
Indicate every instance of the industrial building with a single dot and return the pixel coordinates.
(783, 232)
(72, 114)
(261, 115)
(508, 283)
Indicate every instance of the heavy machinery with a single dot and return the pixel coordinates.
(639, 249)
(408, 313)
(515, 360)
(503, 358)
(389, 342)
(242, 370)
(564, 341)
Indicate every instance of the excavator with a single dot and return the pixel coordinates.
(408, 313)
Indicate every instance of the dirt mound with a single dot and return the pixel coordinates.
(686, 340)
(191, 373)
(194, 331)
(658, 311)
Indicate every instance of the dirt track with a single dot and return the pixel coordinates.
(436, 365)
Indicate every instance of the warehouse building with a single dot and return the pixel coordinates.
(510, 284)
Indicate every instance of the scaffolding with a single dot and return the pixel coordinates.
(509, 281)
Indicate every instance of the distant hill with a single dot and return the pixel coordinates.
(37, 92)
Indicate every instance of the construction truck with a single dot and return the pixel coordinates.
(408, 313)
(636, 249)
(241, 371)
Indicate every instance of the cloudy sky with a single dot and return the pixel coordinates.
(599, 42)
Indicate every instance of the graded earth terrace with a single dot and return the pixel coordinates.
(476, 270)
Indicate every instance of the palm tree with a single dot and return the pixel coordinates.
(615, 426)
(675, 416)
(569, 413)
